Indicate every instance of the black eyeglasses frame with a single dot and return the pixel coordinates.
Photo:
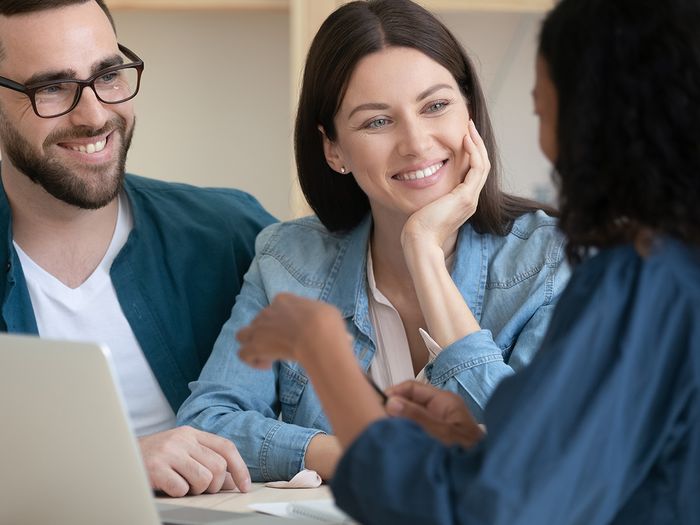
(31, 90)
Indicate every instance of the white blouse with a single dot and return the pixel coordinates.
(392, 360)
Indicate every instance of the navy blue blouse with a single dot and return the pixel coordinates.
(602, 428)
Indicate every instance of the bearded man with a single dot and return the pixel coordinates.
(150, 268)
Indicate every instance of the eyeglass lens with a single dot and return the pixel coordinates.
(112, 87)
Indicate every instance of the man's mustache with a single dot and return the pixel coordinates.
(84, 133)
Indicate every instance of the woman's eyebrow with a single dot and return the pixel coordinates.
(368, 106)
(437, 87)
(381, 106)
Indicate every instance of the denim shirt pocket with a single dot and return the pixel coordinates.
(292, 384)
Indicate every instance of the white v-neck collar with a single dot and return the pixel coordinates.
(97, 279)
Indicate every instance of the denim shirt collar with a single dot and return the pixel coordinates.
(346, 287)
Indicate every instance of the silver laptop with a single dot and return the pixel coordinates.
(67, 453)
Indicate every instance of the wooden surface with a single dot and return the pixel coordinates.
(237, 502)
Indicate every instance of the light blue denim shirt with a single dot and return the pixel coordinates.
(511, 284)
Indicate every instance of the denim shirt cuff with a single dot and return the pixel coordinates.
(468, 352)
(472, 368)
(283, 450)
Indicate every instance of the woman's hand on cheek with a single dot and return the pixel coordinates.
(439, 220)
(287, 329)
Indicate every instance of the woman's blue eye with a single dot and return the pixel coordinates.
(378, 123)
(437, 106)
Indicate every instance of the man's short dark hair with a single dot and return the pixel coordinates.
(19, 7)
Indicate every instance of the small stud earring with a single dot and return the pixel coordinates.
(342, 170)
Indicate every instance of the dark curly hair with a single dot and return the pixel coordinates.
(627, 75)
(350, 33)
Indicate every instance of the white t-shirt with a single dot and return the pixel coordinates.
(92, 312)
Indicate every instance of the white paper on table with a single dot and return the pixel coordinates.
(323, 510)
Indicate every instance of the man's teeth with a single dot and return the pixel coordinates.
(420, 174)
(90, 148)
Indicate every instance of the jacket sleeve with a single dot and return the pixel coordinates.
(242, 404)
(560, 448)
(415, 481)
(473, 366)
(601, 427)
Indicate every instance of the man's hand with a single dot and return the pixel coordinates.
(185, 461)
(441, 414)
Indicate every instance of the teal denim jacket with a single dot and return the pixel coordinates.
(176, 277)
(510, 282)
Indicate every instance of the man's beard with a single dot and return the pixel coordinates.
(58, 179)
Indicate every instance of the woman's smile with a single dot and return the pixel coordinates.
(400, 131)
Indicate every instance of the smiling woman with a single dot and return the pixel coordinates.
(603, 426)
(438, 274)
(400, 132)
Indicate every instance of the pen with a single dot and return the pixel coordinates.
(377, 389)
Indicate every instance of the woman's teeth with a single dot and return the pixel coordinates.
(420, 174)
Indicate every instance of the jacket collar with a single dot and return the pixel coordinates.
(6, 217)
(5, 227)
(346, 286)
(15, 304)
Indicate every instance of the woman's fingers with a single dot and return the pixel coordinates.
(414, 391)
(479, 164)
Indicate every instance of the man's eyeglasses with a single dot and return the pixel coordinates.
(112, 85)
